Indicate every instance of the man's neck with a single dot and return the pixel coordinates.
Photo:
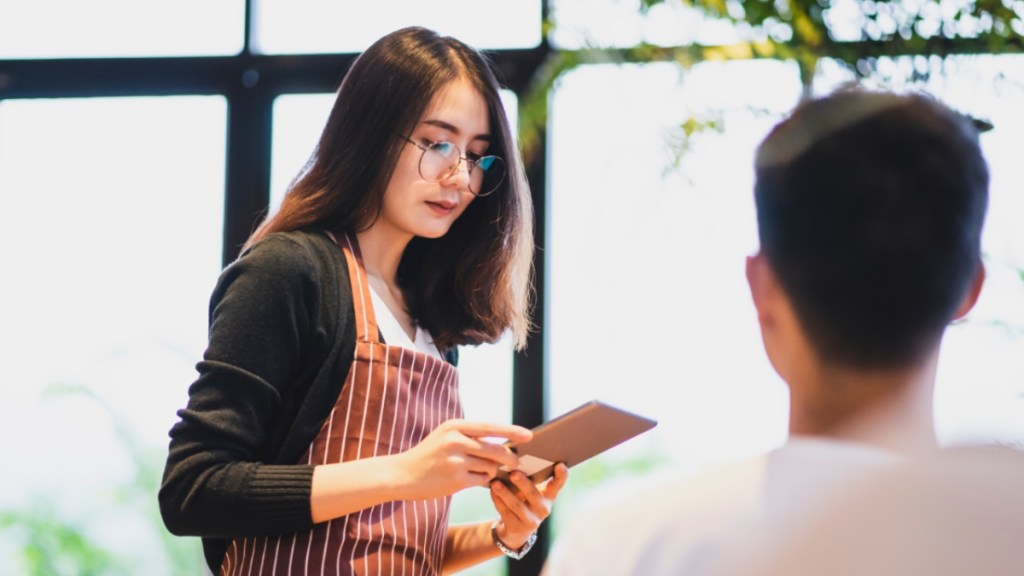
(888, 409)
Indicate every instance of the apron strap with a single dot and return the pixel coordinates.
(366, 321)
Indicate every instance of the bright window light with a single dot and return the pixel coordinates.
(120, 28)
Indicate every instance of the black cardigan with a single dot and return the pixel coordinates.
(282, 337)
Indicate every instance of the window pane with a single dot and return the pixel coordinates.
(297, 123)
(646, 262)
(110, 242)
(614, 23)
(648, 304)
(314, 26)
(120, 28)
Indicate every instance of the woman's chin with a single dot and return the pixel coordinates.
(433, 233)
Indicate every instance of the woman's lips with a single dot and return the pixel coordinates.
(443, 208)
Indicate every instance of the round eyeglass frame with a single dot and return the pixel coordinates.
(499, 163)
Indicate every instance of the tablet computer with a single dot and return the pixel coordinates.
(577, 435)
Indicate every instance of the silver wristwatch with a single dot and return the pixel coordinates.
(513, 554)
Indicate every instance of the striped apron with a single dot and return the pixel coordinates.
(392, 398)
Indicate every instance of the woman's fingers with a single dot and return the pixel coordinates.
(509, 503)
(552, 486)
(485, 467)
(536, 501)
(483, 430)
(523, 505)
(527, 495)
(459, 454)
(487, 441)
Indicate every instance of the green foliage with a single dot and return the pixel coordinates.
(809, 22)
(53, 543)
(50, 545)
(597, 471)
(802, 31)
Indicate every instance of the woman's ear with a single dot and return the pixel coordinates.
(973, 292)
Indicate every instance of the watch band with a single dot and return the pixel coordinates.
(513, 554)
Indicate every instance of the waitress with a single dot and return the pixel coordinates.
(325, 433)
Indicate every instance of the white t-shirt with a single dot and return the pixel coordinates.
(957, 511)
(686, 524)
(392, 333)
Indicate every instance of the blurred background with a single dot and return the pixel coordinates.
(140, 141)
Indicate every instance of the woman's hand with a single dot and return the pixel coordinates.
(524, 506)
(457, 455)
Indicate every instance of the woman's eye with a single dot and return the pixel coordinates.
(442, 147)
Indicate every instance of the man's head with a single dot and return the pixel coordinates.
(870, 208)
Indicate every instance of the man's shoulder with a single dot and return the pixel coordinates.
(683, 495)
(817, 456)
(665, 523)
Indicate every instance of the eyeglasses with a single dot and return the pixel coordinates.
(440, 160)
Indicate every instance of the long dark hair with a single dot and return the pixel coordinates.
(474, 283)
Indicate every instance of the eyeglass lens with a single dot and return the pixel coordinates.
(441, 159)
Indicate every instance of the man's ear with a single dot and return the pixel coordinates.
(762, 283)
(973, 292)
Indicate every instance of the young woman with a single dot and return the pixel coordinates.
(324, 432)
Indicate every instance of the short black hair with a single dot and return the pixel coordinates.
(870, 208)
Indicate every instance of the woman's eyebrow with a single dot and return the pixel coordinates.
(453, 129)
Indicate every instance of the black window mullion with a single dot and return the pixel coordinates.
(529, 367)
(247, 185)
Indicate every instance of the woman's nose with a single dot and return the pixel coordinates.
(459, 174)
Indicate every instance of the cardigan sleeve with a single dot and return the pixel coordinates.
(263, 314)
